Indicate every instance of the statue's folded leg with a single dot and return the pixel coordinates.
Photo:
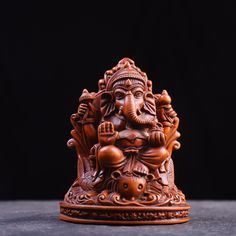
(153, 157)
(110, 157)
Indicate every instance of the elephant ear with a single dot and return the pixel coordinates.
(107, 104)
(149, 103)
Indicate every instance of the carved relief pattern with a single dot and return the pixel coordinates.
(125, 216)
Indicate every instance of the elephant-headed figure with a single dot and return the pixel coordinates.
(124, 136)
(130, 138)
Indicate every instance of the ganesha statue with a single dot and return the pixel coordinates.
(124, 136)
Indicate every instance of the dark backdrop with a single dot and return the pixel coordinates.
(49, 53)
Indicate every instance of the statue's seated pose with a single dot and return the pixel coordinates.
(124, 136)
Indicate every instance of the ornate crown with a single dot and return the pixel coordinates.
(124, 69)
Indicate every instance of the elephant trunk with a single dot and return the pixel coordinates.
(130, 112)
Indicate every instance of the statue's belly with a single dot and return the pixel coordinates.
(132, 139)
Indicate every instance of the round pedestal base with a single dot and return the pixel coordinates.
(123, 215)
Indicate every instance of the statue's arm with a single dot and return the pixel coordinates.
(167, 116)
(156, 136)
(88, 120)
(165, 111)
(85, 122)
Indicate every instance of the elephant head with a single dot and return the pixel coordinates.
(129, 98)
(125, 90)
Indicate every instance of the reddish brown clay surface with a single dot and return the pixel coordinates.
(124, 136)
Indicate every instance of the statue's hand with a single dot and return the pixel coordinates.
(83, 107)
(157, 138)
(107, 134)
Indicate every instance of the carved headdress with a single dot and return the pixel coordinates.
(124, 69)
(126, 74)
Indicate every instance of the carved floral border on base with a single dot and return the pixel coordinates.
(126, 215)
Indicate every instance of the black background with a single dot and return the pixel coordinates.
(49, 53)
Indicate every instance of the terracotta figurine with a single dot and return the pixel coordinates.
(124, 136)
